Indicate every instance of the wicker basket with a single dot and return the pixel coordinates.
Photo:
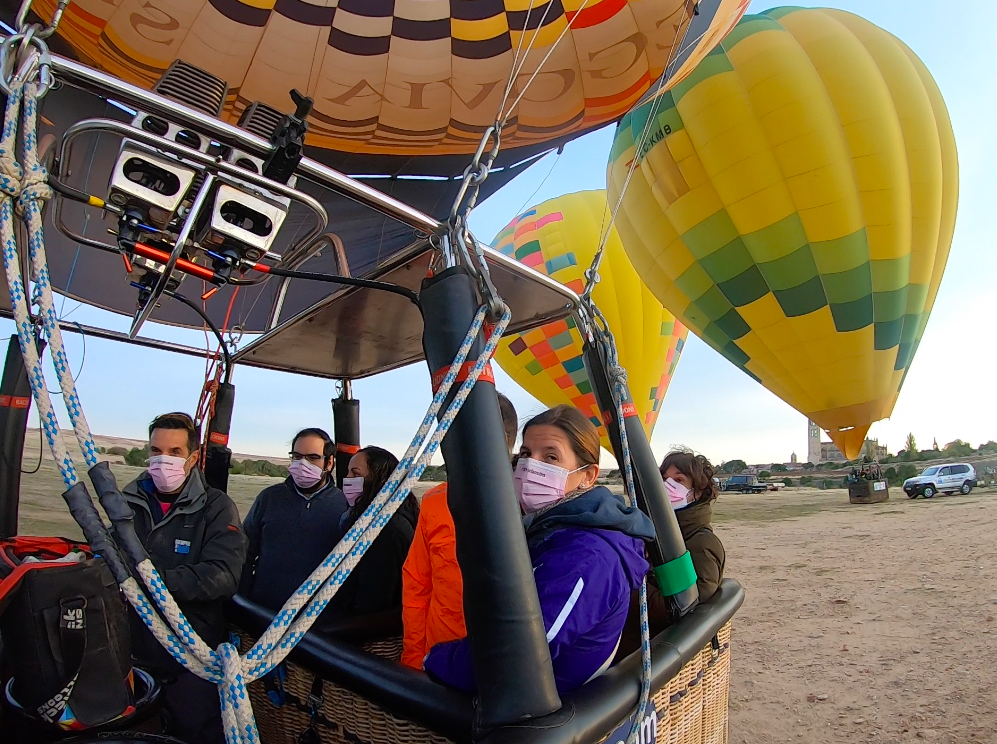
(690, 709)
(344, 718)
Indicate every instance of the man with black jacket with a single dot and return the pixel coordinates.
(292, 526)
(193, 535)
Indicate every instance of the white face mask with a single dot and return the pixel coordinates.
(678, 495)
(304, 473)
(539, 484)
(167, 472)
(352, 488)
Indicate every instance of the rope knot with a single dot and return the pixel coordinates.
(10, 173)
(618, 375)
(34, 188)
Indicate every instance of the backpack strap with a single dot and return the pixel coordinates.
(73, 639)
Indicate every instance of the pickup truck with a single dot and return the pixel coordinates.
(744, 484)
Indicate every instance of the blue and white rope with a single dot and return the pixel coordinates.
(618, 381)
(11, 184)
(34, 190)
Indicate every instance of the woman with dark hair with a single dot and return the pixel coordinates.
(689, 482)
(375, 584)
(586, 546)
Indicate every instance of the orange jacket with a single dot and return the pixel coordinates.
(432, 587)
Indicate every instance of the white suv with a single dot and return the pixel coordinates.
(947, 478)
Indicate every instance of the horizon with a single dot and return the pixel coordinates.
(711, 406)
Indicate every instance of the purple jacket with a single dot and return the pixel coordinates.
(588, 556)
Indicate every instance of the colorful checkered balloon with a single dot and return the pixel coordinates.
(559, 238)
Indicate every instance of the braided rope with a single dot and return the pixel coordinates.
(618, 381)
(30, 188)
(10, 185)
(34, 192)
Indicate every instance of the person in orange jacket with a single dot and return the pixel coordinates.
(432, 587)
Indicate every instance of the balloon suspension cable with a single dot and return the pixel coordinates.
(596, 328)
(592, 273)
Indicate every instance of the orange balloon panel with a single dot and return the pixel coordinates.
(559, 238)
(405, 77)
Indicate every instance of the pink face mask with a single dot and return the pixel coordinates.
(539, 484)
(167, 472)
(352, 488)
(304, 473)
(678, 494)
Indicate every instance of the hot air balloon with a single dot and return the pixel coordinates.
(559, 238)
(793, 201)
(406, 77)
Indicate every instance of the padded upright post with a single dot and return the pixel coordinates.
(15, 401)
(502, 611)
(669, 557)
(217, 455)
(346, 431)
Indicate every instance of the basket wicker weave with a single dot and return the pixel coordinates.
(691, 708)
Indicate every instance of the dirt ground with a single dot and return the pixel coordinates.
(870, 623)
(863, 622)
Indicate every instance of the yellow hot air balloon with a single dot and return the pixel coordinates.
(559, 238)
(407, 77)
(793, 202)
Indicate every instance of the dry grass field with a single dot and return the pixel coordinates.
(871, 623)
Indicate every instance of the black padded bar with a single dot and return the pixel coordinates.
(15, 390)
(651, 496)
(82, 508)
(512, 664)
(346, 433)
(121, 515)
(592, 712)
(607, 701)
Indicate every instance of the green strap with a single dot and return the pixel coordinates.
(676, 576)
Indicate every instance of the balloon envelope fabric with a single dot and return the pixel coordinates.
(559, 238)
(406, 77)
(793, 202)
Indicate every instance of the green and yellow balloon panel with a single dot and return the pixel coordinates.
(793, 202)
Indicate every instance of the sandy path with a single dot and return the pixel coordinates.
(888, 610)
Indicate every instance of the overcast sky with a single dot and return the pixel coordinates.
(711, 406)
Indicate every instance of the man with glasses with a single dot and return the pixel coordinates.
(193, 536)
(292, 526)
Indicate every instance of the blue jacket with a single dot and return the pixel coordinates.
(289, 535)
(588, 556)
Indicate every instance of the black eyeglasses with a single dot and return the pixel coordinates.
(311, 458)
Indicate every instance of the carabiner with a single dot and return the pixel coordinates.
(42, 33)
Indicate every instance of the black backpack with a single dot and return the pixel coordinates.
(65, 634)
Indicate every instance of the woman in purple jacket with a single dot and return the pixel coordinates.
(586, 547)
